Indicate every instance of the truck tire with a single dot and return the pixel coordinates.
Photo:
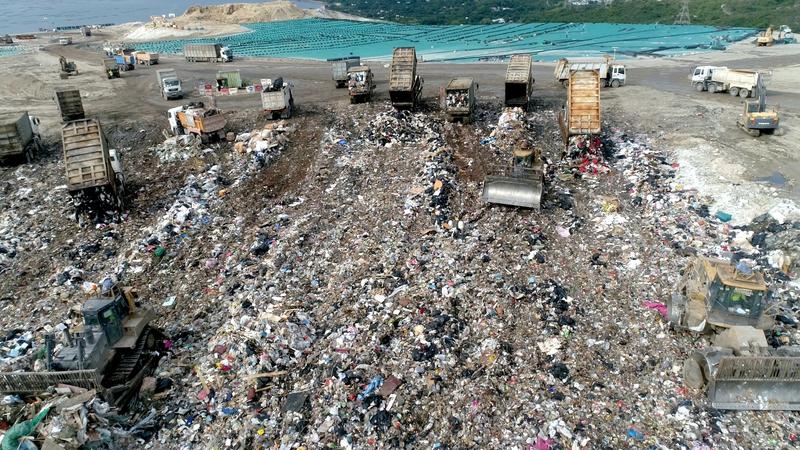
(734, 91)
(712, 88)
(565, 83)
(699, 87)
(615, 83)
(744, 93)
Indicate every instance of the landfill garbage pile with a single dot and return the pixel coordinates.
(374, 303)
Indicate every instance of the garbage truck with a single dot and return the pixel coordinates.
(70, 105)
(459, 99)
(612, 74)
(277, 99)
(519, 81)
(169, 84)
(340, 68)
(360, 84)
(581, 113)
(405, 86)
(95, 180)
(195, 119)
(125, 62)
(207, 53)
(19, 136)
(111, 352)
(740, 371)
(721, 79)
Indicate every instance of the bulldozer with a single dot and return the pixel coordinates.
(522, 186)
(740, 371)
(757, 118)
(112, 352)
(520, 183)
(68, 68)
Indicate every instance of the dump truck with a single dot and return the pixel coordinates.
(19, 136)
(70, 105)
(111, 352)
(111, 68)
(195, 119)
(125, 62)
(207, 53)
(95, 179)
(520, 183)
(360, 84)
(581, 113)
(277, 99)
(146, 58)
(740, 370)
(405, 86)
(611, 74)
(68, 68)
(721, 79)
(459, 99)
(519, 81)
(757, 117)
(168, 84)
(340, 68)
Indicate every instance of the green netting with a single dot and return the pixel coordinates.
(324, 39)
(9, 50)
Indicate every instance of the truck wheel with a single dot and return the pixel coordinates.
(615, 83)
(734, 92)
(712, 88)
(565, 83)
(744, 93)
(699, 87)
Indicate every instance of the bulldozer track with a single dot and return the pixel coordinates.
(129, 360)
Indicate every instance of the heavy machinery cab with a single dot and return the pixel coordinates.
(713, 292)
(618, 73)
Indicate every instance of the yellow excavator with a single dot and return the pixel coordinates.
(740, 370)
(757, 118)
(765, 38)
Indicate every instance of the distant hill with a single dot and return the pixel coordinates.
(742, 13)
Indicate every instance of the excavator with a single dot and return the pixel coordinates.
(765, 38)
(112, 352)
(522, 182)
(757, 118)
(740, 371)
(68, 68)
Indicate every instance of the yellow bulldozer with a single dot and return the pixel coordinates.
(740, 370)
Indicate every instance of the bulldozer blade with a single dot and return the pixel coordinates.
(767, 383)
(523, 192)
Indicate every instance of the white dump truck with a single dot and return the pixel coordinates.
(94, 171)
(612, 74)
(169, 84)
(277, 99)
(207, 53)
(19, 136)
(721, 79)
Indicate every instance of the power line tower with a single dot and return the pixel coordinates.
(683, 17)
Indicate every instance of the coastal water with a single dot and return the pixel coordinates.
(30, 15)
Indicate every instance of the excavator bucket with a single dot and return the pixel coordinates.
(761, 382)
(513, 191)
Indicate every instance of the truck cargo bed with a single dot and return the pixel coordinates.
(86, 155)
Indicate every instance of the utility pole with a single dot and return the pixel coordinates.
(683, 17)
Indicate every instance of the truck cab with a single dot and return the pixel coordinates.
(175, 124)
(172, 88)
(702, 75)
(618, 76)
(226, 54)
